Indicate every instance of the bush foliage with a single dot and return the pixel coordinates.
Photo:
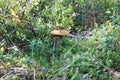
(28, 51)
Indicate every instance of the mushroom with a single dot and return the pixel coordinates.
(58, 35)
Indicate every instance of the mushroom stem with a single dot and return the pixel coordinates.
(57, 43)
(56, 47)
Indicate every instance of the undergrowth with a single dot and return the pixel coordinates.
(27, 48)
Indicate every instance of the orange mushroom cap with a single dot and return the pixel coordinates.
(60, 32)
